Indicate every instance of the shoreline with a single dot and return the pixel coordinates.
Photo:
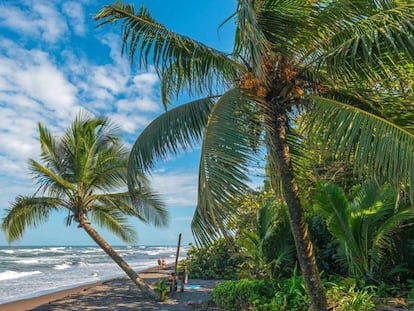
(36, 301)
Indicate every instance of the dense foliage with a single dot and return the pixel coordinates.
(213, 262)
(242, 295)
(372, 214)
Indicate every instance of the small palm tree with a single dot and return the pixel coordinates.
(269, 223)
(364, 228)
(78, 173)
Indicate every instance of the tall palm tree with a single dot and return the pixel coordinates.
(329, 59)
(78, 173)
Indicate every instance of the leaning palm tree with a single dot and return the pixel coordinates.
(335, 62)
(78, 173)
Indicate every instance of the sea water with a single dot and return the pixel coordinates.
(33, 271)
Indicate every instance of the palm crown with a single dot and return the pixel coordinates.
(78, 173)
(327, 58)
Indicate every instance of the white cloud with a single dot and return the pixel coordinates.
(12, 168)
(49, 21)
(178, 188)
(113, 42)
(74, 11)
(145, 82)
(32, 90)
(44, 79)
(38, 18)
(32, 74)
(107, 77)
(14, 188)
(143, 104)
(130, 123)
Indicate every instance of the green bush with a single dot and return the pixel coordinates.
(212, 262)
(347, 297)
(290, 295)
(242, 295)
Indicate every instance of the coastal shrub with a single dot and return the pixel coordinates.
(161, 287)
(290, 295)
(243, 295)
(212, 262)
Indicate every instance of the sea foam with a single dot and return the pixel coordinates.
(61, 267)
(27, 261)
(9, 274)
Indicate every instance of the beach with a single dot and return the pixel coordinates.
(33, 271)
(120, 294)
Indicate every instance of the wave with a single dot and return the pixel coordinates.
(83, 264)
(10, 274)
(7, 251)
(92, 250)
(62, 266)
(58, 249)
(26, 261)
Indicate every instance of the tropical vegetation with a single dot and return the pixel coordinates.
(213, 262)
(369, 226)
(82, 174)
(363, 229)
(327, 74)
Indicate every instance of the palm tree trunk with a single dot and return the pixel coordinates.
(118, 260)
(305, 252)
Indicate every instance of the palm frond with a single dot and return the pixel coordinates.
(201, 227)
(336, 210)
(273, 166)
(180, 78)
(115, 221)
(26, 212)
(251, 44)
(367, 40)
(286, 24)
(178, 128)
(91, 144)
(50, 152)
(225, 157)
(367, 196)
(163, 48)
(383, 240)
(49, 180)
(379, 146)
(265, 220)
(382, 100)
(252, 244)
(143, 204)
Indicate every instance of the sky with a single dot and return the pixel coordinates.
(55, 62)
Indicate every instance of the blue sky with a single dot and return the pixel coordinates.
(55, 62)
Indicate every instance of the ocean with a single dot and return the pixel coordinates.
(27, 272)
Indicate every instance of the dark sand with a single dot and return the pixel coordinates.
(120, 294)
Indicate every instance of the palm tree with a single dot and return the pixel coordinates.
(328, 60)
(78, 173)
(364, 228)
(272, 228)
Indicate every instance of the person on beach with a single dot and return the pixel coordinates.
(172, 281)
(159, 263)
(163, 262)
(183, 277)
